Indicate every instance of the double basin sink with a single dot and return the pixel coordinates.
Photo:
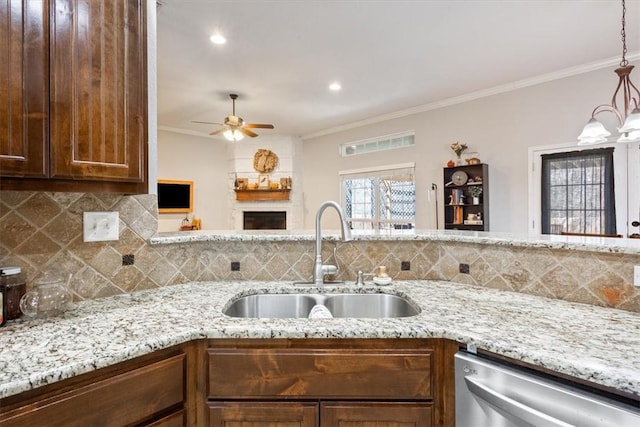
(299, 305)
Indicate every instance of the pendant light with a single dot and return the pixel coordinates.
(628, 115)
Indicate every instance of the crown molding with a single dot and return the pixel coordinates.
(520, 84)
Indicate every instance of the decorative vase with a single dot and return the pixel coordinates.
(476, 200)
(459, 161)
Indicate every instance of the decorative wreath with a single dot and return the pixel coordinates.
(265, 161)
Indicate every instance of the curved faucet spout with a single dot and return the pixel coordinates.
(318, 271)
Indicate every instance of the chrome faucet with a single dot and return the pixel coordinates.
(320, 270)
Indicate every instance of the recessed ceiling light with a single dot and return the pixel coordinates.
(218, 39)
(335, 86)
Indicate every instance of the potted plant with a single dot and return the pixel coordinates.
(475, 192)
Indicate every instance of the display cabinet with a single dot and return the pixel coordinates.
(466, 197)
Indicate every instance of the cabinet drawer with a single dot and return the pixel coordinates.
(364, 414)
(333, 373)
(261, 414)
(127, 398)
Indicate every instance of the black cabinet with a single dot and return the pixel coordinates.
(466, 197)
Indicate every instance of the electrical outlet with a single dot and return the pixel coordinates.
(636, 275)
(100, 226)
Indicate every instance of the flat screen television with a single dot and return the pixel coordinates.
(175, 196)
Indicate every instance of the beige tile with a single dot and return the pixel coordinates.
(64, 228)
(162, 273)
(14, 198)
(130, 210)
(86, 203)
(107, 262)
(14, 230)
(517, 276)
(559, 282)
(611, 288)
(128, 278)
(64, 200)
(583, 266)
(39, 248)
(537, 261)
(146, 225)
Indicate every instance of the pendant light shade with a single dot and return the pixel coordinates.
(628, 114)
(593, 133)
(632, 124)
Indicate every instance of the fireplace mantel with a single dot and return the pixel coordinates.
(259, 195)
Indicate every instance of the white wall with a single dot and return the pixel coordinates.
(203, 161)
(500, 128)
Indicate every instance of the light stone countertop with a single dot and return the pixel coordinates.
(548, 241)
(592, 343)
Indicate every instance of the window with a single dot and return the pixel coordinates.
(578, 192)
(380, 199)
(626, 173)
(380, 143)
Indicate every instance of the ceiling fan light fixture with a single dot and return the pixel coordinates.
(628, 114)
(233, 135)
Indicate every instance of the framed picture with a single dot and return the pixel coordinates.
(263, 180)
(175, 196)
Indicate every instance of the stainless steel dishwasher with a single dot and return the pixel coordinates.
(494, 394)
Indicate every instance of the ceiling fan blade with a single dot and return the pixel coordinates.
(217, 132)
(248, 132)
(258, 126)
(206, 123)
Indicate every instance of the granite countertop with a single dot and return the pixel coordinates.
(588, 342)
(549, 241)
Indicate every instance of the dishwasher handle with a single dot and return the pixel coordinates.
(511, 406)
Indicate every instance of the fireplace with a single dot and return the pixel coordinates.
(264, 220)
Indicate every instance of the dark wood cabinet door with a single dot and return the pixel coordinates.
(24, 88)
(98, 95)
(272, 414)
(376, 414)
(124, 399)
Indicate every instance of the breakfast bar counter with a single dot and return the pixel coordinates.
(594, 344)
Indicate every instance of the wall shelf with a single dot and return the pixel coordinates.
(262, 195)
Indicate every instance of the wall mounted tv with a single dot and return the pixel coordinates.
(175, 196)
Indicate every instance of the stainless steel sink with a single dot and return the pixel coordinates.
(370, 305)
(340, 305)
(271, 306)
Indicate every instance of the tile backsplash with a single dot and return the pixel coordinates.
(43, 231)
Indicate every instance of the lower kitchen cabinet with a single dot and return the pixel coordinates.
(331, 414)
(328, 383)
(147, 391)
(263, 414)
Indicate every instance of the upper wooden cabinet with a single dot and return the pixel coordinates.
(76, 112)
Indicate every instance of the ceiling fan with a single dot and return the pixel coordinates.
(234, 128)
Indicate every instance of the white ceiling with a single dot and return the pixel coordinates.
(389, 56)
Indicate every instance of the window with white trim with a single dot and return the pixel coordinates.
(626, 161)
(379, 143)
(380, 199)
